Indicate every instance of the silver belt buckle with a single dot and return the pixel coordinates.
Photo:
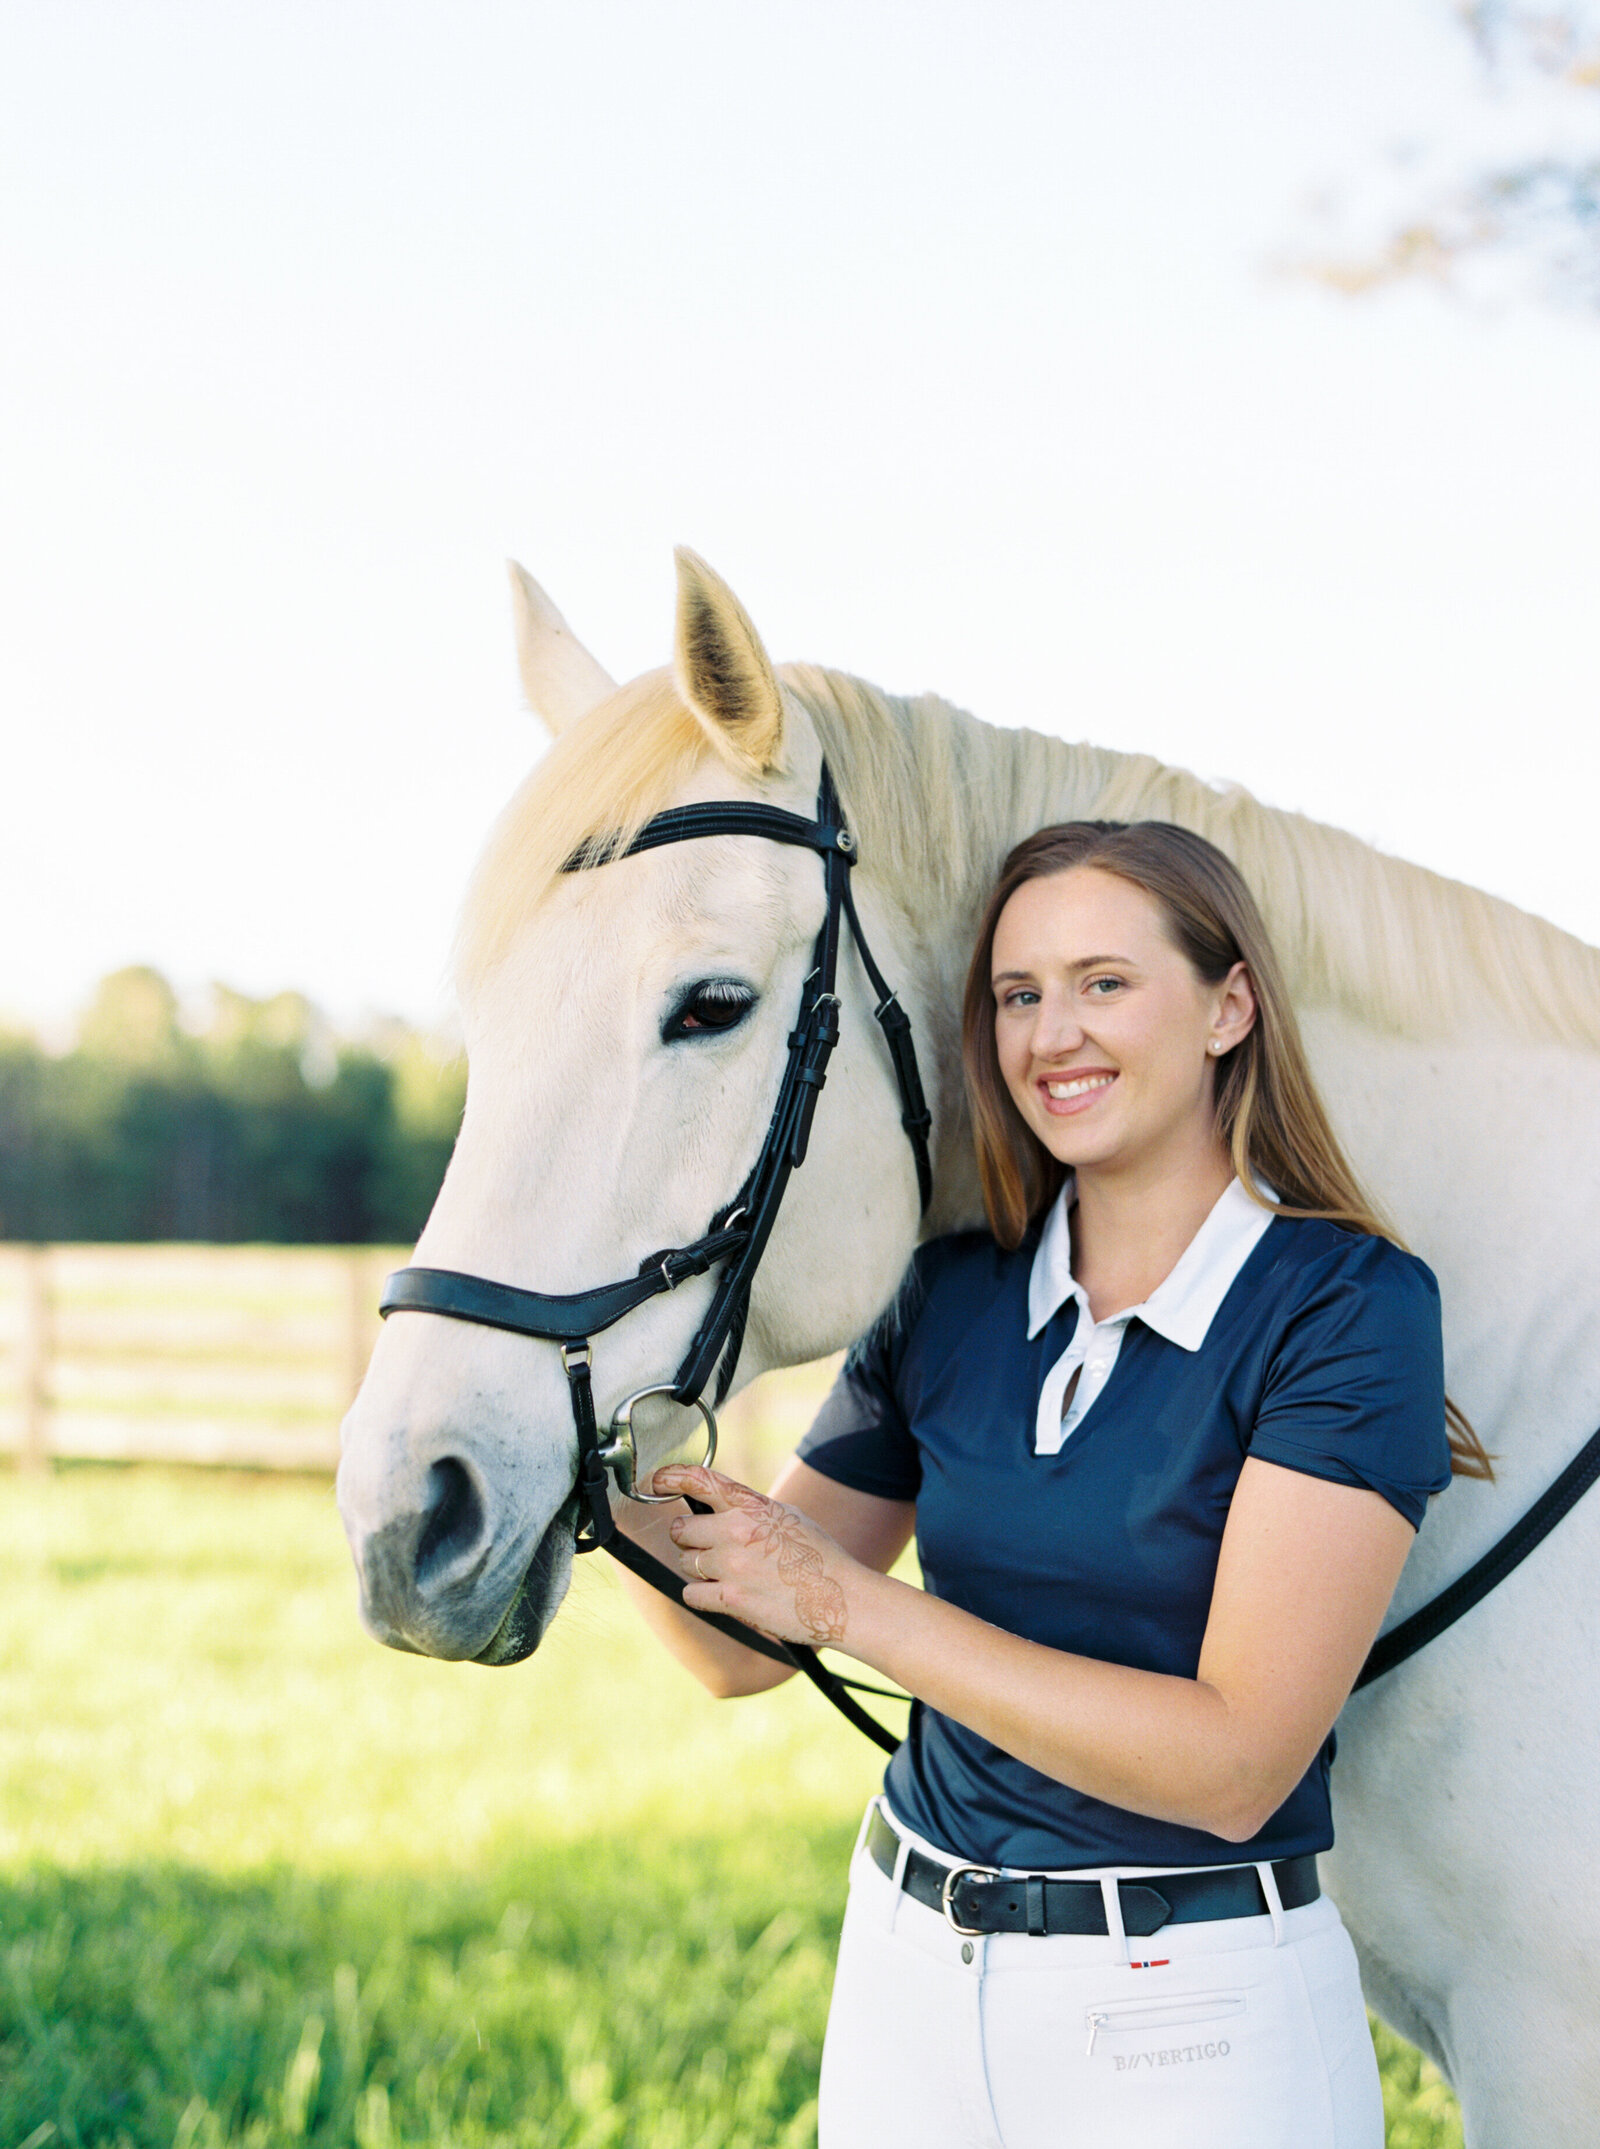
(947, 1896)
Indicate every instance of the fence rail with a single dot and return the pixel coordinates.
(244, 1356)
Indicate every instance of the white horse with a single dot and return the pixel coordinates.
(1457, 1041)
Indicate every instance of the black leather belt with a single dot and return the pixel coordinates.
(978, 1899)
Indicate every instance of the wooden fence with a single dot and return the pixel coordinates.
(245, 1356)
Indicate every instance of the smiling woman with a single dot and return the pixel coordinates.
(1150, 877)
(1185, 904)
(1104, 1057)
(1165, 1438)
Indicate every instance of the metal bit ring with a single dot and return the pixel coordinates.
(621, 1457)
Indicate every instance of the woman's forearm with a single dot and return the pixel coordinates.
(1305, 1572)
(1144, 1741)
(1164, 1746)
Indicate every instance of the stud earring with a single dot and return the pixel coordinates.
(1215, 1045)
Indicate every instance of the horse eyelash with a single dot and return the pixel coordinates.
(727, 993)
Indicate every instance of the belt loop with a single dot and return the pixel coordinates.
(866, 1823)
(1037, 1921)
(1111, 1897)
(1269, 1888)
(897, 1879)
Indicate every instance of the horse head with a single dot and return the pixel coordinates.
(626, 1030)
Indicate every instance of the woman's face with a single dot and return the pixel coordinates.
(1107, 1037)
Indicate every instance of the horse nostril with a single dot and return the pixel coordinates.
(455, 1520)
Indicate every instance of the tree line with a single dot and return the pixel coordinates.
(260, 1124)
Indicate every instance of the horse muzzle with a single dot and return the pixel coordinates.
(444, 1570)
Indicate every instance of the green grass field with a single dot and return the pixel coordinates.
(264, 1883)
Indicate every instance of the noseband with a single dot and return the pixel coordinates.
(737, 1234)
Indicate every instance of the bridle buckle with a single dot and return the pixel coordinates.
(952, 1879)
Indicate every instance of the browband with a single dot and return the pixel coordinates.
(717, 817)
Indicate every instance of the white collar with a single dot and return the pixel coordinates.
(1184, 1304)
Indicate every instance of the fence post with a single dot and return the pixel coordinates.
(33, 1455)
(360, 1306)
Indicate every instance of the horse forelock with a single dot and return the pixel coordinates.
(605, 777)
(636, 753)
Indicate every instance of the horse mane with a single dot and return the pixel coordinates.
(941, 798)
(938, 798)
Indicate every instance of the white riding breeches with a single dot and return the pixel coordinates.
(1241, 2033)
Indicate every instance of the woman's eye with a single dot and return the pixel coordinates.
(1020, 996)
(1110, 985)
(713, 1005)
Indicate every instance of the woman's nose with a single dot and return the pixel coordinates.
(1057, 1031)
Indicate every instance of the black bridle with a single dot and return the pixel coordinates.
(736, 1236)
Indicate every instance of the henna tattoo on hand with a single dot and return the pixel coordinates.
(818, 1600)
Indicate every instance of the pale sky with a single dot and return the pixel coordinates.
(946, 330)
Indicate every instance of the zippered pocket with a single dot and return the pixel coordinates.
(1182, 2009)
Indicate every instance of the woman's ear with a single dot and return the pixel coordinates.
(1234, 1012)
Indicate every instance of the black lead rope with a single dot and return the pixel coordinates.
(1401, 1642)
(1392, 1649)
(796, 1655)
(1486, 1574)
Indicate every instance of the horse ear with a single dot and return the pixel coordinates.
(721, 669)
(560, 678)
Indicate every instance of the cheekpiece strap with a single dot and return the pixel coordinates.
(895, 1024)
(596, 1523)
(713, 1352)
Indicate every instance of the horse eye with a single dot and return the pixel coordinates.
(715, 1004)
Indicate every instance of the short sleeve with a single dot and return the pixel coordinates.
(1354, 1391)
(860, 1437)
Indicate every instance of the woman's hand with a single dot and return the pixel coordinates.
(758, 1560)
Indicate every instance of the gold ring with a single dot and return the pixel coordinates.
(699, 1570)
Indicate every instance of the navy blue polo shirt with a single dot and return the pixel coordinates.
(1324, 1355)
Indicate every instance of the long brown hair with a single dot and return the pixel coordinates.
(1268, 1110)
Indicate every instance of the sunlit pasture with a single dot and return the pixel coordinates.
(262, 1882)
